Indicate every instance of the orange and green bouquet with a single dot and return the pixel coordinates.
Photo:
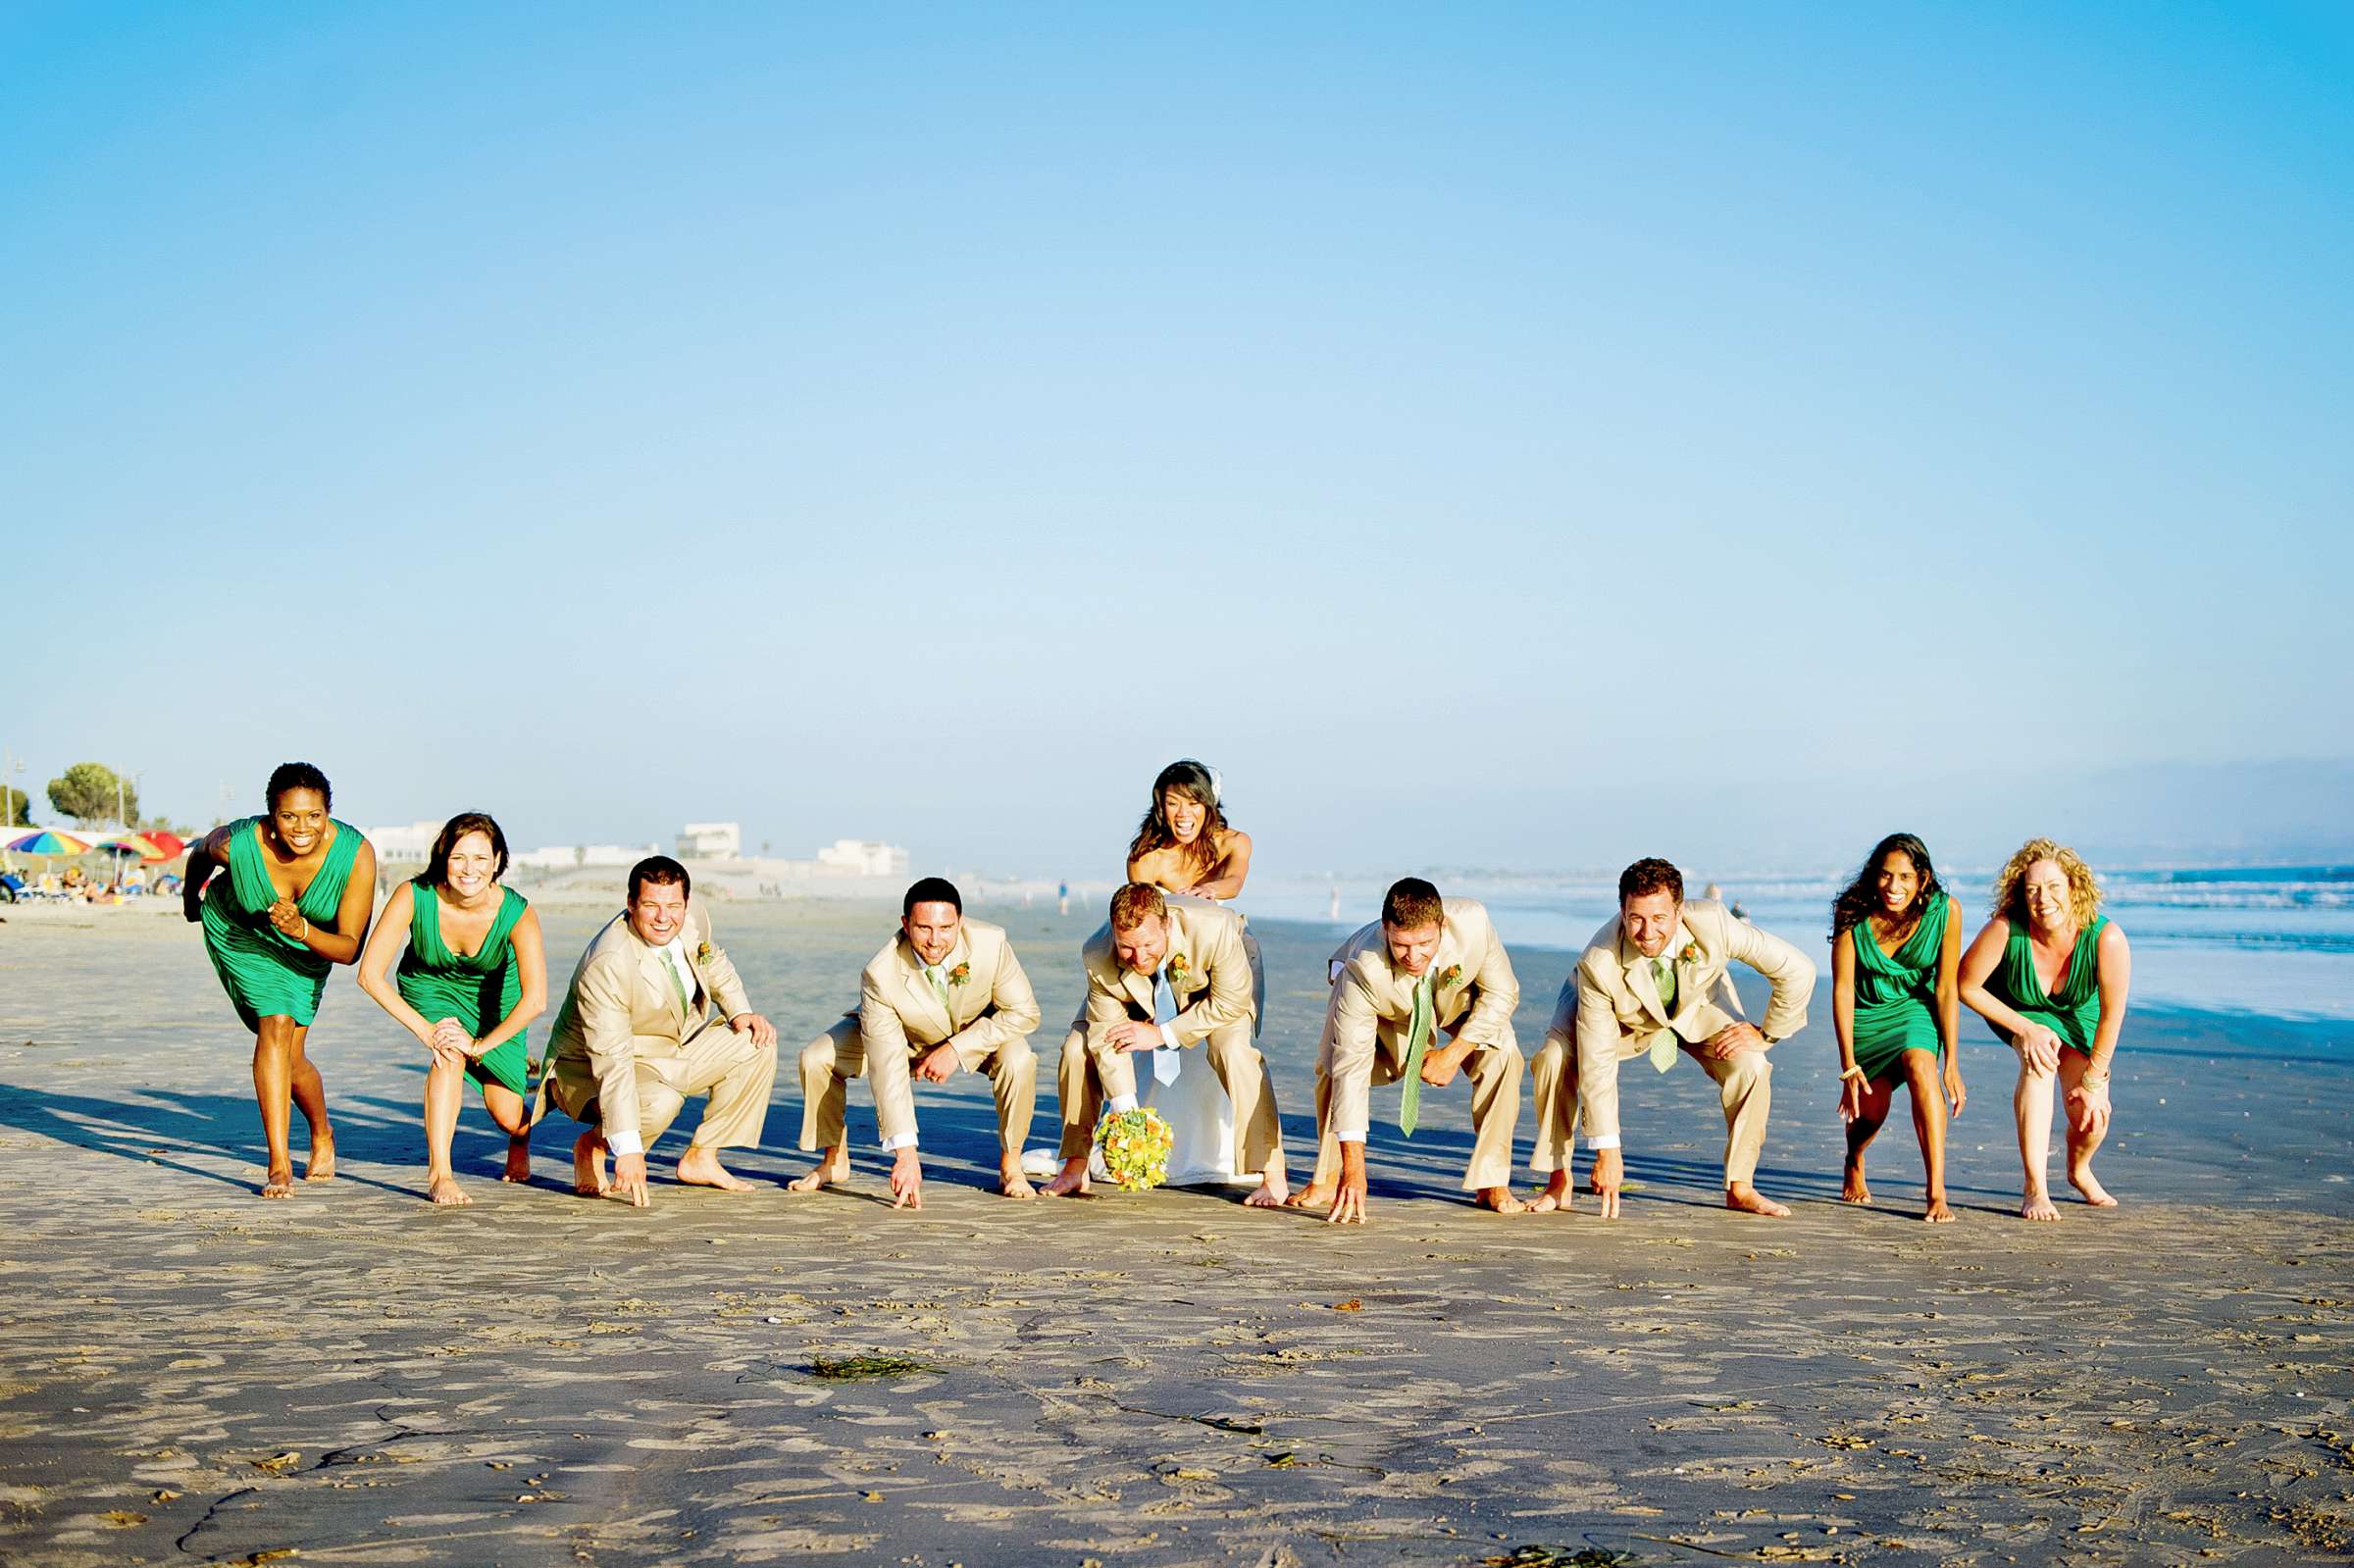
(1136, 1148)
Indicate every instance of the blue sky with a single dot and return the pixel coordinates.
(1509, 436)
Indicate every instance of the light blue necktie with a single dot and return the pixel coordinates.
(1165, 1008)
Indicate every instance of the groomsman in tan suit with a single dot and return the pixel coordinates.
(1162, 977)
(1431, 966)
(945, 993)
(1653, 983)
(637, 1036)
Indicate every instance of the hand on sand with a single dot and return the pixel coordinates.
(906, 1180)
(833, 1167)
(701, 1167)
(629, 1180)
(1734, 1039)
(1607, 1176)
(1348, 1200)
(1747, 1199)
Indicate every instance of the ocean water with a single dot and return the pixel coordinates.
(2275, 940)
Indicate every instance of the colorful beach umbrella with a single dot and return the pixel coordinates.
(49, 841)
(134, 843)
(166, 844)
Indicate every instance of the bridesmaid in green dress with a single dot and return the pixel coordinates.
(295, 901)
(2050, 972)
(1895, 950)
(472, 977)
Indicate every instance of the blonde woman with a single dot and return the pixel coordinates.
(1186, 847)
(2050, 972)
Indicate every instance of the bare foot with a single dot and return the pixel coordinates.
(2082, 1179)
(1011, 1183)
(443, 1188)
(1070, 1182)
(701, 1167)
(1501, 1199)
(321, 1166)
(1555, 1195)
(2037, 1206)
(1937, 1213)
(834, 1168)
(588, 1164)
(1274, 1191)
(1749, 1201)
(1853, 1190)
(1314, 1196)
(519, 1159)
(279, 1182)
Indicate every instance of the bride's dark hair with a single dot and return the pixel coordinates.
(1194, 780)
(1862, 897)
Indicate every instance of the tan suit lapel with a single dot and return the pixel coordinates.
(655, 976)
(1138, 986)
(1441, 998)
(1641, 984)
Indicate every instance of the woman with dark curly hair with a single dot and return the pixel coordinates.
(472, 975)
(2050, 972)
(1896, 951)
(295, 901)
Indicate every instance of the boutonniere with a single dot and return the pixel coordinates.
(702, 952)
(1452, 976)
(960, 974)
(1690, 954)
(1176, 969)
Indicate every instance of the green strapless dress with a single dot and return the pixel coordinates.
(477, 990)
(266, 972)
(1896, 994)
(2073, 1015)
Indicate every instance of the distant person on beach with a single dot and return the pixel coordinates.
(1655, 982)
(2050, 972)
(945, 995)
(1161, 978)
(1896, 951)
(298, 890)
(1187, 848)
(472, 975)
(1062, 897)
(637, 1036)
(1429, 967)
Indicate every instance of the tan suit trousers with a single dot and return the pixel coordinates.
(1744, 1087)
(830, 1061)
(1495, 1075)
(716, 1061)
(1083, 1081)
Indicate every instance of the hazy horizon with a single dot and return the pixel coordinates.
(1525, 437)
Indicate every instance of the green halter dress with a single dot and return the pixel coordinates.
(2073, 1015)
(267, 973)
(477, 989)
(1896, 994)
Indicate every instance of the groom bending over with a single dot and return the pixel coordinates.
(635, 1036)
(1162, 977)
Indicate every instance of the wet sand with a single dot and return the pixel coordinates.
(354, 1375)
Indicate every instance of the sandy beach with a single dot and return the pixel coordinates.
(356, 1376)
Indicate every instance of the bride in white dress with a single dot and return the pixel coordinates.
(1186, 848)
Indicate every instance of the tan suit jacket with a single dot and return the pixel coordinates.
(899, 1010)
(1208, 975)
(1619, 1009)
(622, 1009)
(1473, 993)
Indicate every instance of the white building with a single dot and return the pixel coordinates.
(711, 841)
(861, 857)
(414, 842)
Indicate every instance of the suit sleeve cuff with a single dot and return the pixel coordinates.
(1168, 1037)
(892, 1145)
(1598, 1141)
(1119, 1104)
(1355, 1135)
(627, 1142)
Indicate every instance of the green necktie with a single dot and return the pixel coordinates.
(1417, 1043)
(672, 969)
(939, 987)
(1663, 1047)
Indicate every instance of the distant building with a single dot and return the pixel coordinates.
(711, 841)
(615, 854)
(550, 857)
(412, 844)
(861, 857)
